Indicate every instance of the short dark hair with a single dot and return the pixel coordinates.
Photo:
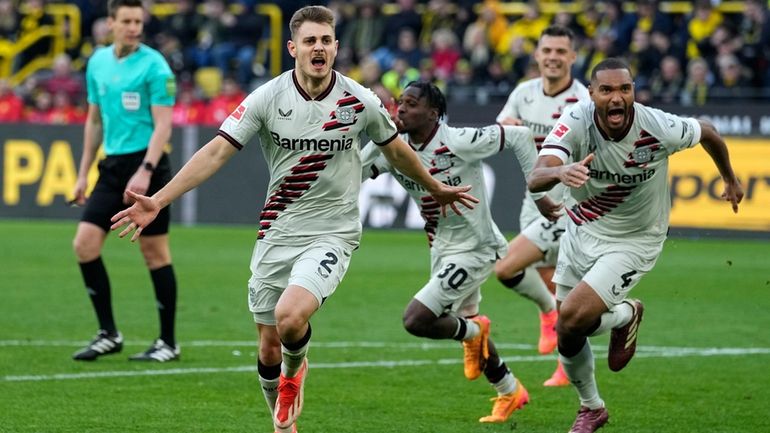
(315, 14)
(608, 64)
(114, 5)
(432, 94)
(557, 31)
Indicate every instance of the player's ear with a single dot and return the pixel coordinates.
(292, 48)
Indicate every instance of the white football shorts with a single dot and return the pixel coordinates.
(317, 267)
(611, 268)
(545, 235)
(455, 284)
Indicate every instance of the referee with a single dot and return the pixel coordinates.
(131, 92)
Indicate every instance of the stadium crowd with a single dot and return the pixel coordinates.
(470, 49)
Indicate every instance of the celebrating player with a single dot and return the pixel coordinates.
(613, 155)
(464, 247)
(308, 121)
(537, 104)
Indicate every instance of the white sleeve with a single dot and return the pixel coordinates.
(246, 120)
(568, 133)
(509, 109)
(373, 162)
(379, 126)
(473, 144)
(676, 133)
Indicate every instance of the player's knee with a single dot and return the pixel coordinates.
(572, 322)
(509, 279)
(415, 325)
(289, 323)
(84, 249)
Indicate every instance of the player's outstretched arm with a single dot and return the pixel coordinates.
(550, 170)
(403, 158)
(204, 163)
(717, 149)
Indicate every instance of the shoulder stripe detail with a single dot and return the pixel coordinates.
(230, 139)
(392, 137)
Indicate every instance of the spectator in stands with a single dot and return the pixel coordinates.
(40, 111)
(618, 25)
(365, 32)
(211, 31)
(370, 72)
(189, 109)
(702, 24)
(602, 48)
(184, 23)
(407, 48)
(399, 76)
(64, 112)
(696, 86)
(439, 14)
(406, 17)
(754, 31)
(100, 37)
(731, 79)
(666, 83)
(528, 27)
(482, 36)
(445, 53)
(11, 105)
(9, 20)
(650, 19)
(180, 32)
(225, 103)
(644, 57)
(234, 53)
(33, 17)
(64, 78)
(517, 58)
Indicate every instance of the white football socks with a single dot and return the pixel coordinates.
(580, 370)
(619, 315)
(292, 359)
(533, 288)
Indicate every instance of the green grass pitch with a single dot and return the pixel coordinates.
(702, 364)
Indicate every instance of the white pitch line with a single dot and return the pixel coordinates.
(368, 364)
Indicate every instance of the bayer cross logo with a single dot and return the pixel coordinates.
(345, 115)
(642, 155)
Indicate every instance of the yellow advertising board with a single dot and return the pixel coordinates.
(696, 187)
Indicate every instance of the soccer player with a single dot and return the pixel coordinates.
(308, 121)
(131, 92)
(613, 155)
(537, 103)
(464, 247)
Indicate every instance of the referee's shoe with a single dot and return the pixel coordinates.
(160, 351)
(102, 344)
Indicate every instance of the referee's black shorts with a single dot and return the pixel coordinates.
(107, 197)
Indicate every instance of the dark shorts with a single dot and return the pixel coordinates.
(107, 197)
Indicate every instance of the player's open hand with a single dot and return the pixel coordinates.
(576, 174)
(733, 193)
(549, 208)
(451, 195)
(137, 217)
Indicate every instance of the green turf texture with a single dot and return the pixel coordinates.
(702, 294)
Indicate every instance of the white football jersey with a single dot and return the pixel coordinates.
(312, 149)
(453, 156)
(539, 112)
(627, 195)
